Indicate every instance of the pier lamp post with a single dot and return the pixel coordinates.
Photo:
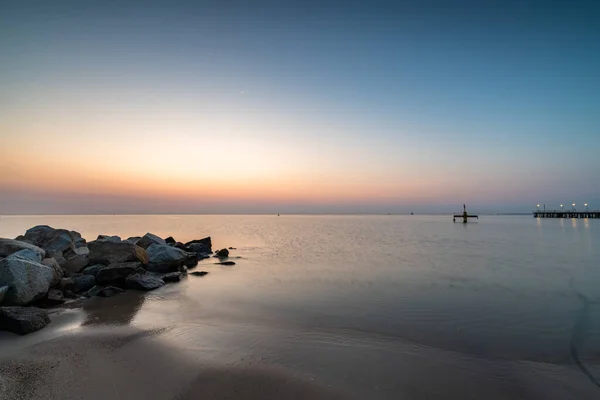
(562, 207)
(573, 206)
(586, 206)
(538, 207)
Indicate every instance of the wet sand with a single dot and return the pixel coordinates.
(126, 363)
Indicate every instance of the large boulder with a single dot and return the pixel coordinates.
(200, 246)
(107, 252)
(116, 273)
(28, 254)
(83, 283)
(10, 246)
(93, 269)
(165, 258)
(149, 239)
(52, 240)
(23, 320)
(58, 271)
(28, 280)
(170, 240)
(3, 290)
(143, 280)
(108, 238)
(77, 262)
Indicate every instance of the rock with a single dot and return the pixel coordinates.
(109, 291)
(83, 283)
(28, 254)
(52, 240)
(93, 270)
(10, 246)
(164, 258)
(116, 273)
(58, 257)
(183, 269)
(181, 246)
(201, 245)
(198, 273)
(232, 248)
(23, 320)
(58, 271)
(114, 239)
(66, 283)
(149, 239)
(107, 252)
(27, 280)
(143, 281)
(191, 261)
(93, 291)
(78, 261)
(133, 239)
(170, 240)
(226, 263)
(3, 290)
(69, 294)
(222, 253)
(55, 297)
(172, 277)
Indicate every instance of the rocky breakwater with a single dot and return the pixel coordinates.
(45, 266)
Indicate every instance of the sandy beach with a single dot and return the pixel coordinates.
(128, 363)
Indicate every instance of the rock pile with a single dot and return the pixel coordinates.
(45, 266)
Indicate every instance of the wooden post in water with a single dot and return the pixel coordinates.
(464, 215)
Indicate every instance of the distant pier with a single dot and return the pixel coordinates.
(566, 214)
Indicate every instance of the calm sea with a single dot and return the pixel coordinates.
(391, 307)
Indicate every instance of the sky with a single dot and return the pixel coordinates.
(111, 107)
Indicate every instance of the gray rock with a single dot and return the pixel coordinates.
(115, 238)
(58, 271)
(149, 239)
(23, 320)
(198, 273)
(93, 291)
(93, 270)
(50, 239)
(201, 245)
(28, 280)
(55, 297)
(222, 253)
(3, 290)
(143, 281)
(133, 239)
(200, 249)
(78, 261)
(172, 277)
(116, 273)
(109, 291)
(164, 258)
(226, 263)
(10, 246)
(28, 254)
(170, 240)
(83, 283)
(107, 252)
(69, 294)
(66, 284)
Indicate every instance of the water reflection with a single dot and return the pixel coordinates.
(117, 310)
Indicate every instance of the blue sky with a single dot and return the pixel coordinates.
(371, 106)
